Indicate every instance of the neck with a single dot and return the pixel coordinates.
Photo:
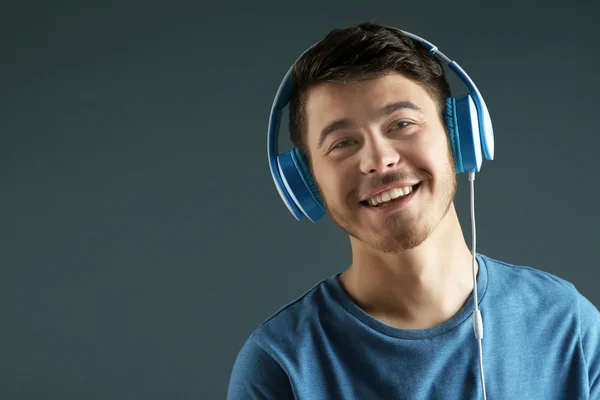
(418, 288)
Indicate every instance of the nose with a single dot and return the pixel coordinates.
(379, 156)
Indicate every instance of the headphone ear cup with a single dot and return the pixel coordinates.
(454, 138)
(463, 129)
(300, 185)
(306, 175)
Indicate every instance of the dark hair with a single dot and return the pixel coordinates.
(367, 50)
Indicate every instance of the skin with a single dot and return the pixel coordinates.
(411, 268)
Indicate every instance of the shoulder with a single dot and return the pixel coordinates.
(529, 294)
(262, 363)
(531, 285)
(282, 329)
(528, 280)
(552, 304)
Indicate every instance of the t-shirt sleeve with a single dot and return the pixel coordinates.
(257, 375)
(590, 342)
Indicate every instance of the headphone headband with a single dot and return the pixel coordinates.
(283, 97)
(485, 122)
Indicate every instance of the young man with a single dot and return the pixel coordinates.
(367, 113)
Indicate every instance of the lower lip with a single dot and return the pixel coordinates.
(396, 205)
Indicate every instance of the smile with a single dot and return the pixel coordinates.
(389, 197)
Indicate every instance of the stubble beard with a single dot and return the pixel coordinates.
(402, 239)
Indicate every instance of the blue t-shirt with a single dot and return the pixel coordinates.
(541, 341)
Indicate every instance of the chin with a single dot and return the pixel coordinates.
(394, 235)
(397, 240)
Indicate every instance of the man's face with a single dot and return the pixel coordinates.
(369, 136)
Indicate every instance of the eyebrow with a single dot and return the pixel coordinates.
(345, 123)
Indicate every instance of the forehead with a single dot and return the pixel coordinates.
(360, 101)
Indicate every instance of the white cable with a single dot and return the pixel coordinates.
(477, 320)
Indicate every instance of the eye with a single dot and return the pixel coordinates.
(342, 143)
(400, 125)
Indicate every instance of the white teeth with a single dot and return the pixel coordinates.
(389, 195)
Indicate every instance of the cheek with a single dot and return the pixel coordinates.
(334, 181)
(435, 152)
(323, 178)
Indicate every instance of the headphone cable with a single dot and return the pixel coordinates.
(477, 319)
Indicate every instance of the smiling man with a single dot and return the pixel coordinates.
(368, 114)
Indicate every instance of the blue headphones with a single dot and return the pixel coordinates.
(467, 120)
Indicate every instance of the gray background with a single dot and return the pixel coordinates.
(142, 237)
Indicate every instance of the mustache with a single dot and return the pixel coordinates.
(391, 177)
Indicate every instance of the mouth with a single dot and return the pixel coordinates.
(391, 198)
